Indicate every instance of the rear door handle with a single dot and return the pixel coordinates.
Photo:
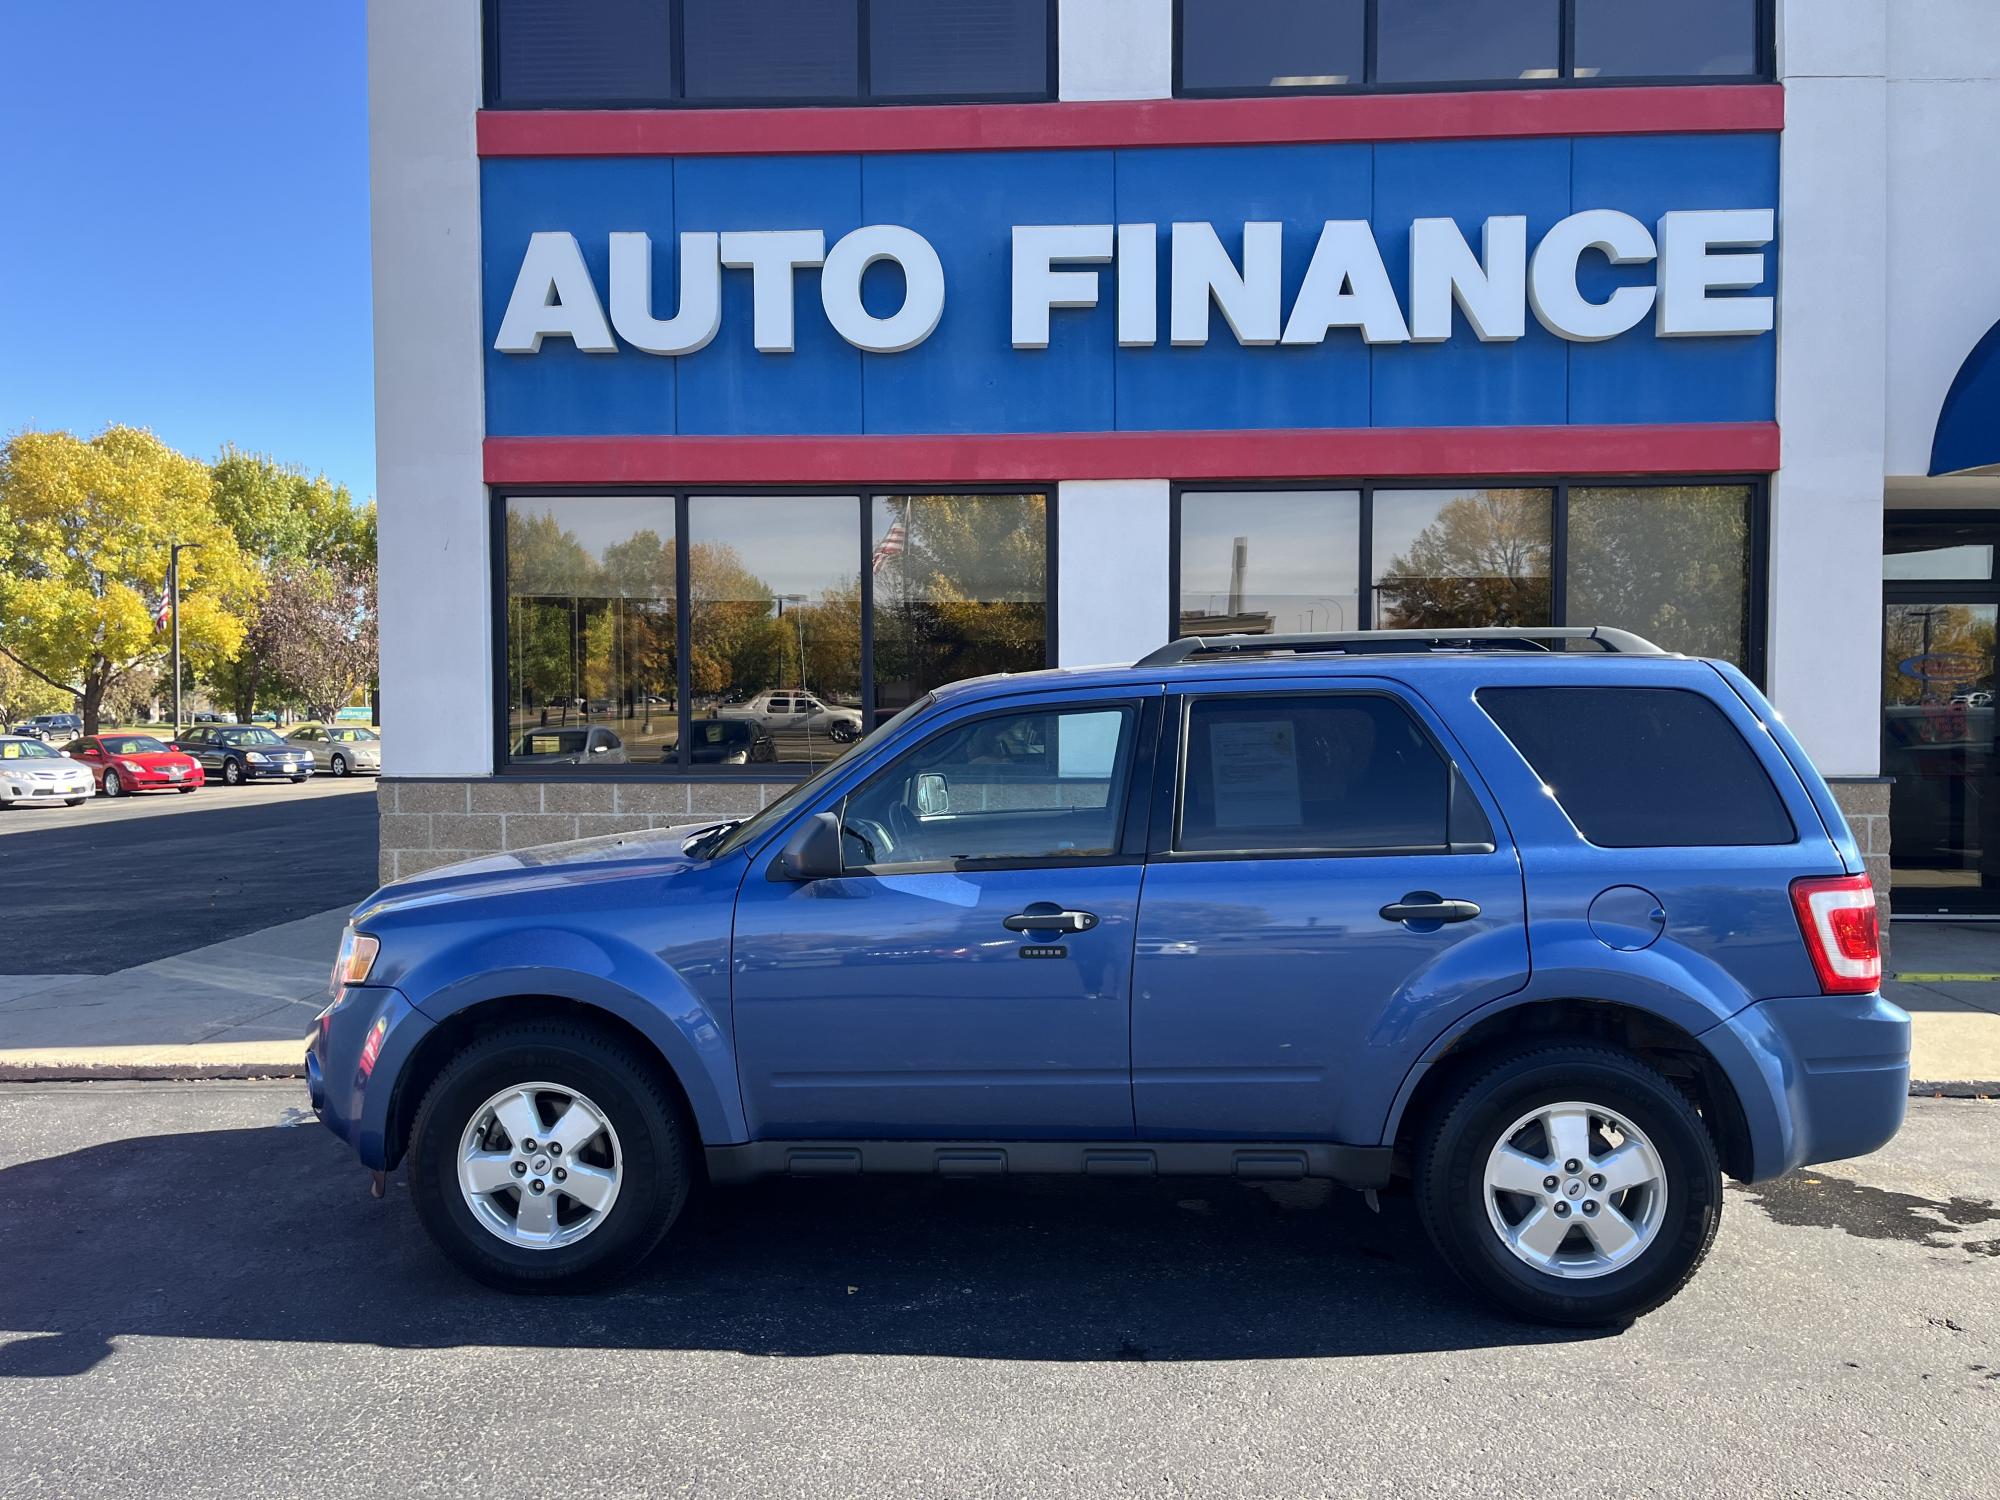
(1427, 906)
(1046, 917)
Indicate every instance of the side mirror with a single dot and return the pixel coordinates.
(813, 850)
(64, 754)
(933, 794)
(173, 745)
(600, 749)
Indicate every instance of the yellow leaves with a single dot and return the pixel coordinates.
(86, 553)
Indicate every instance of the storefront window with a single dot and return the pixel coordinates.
(591, 641)
(608, 52)
(1645, 39)
(598, 53)
(964, 49)
(774, 619)
(1462, 558)
(1671, 562)
(769, 595)
(960, 588)
(1279, 46)
(1467, 41)
(1269, 562)
(1253, 45)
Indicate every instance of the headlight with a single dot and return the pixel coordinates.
(133, 766)
(355, 959)
(257, 755)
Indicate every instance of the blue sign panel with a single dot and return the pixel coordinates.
(1594, 280)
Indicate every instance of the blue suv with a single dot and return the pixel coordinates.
(1556, 925)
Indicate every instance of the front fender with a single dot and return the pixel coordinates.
(639, 987)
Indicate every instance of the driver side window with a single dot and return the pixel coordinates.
(1034, 784)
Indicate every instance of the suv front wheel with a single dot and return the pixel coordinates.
(1572, 1185)
(547, 1157)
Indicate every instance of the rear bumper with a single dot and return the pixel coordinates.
(1820, 1077)
(351, 1100)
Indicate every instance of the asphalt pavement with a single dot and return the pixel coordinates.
(201, 1299)
(115, 883)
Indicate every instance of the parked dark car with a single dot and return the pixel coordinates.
(246, 752)
(727, 742)
(51, 726)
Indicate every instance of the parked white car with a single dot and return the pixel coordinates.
(340, 749)
(32, 772)
(784, 708)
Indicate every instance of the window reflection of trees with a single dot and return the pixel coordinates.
(1482, 560)
(960, 590)
(1671, 562)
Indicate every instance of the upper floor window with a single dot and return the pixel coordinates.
(1281, 46)
(648, 53)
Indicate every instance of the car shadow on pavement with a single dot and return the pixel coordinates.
(270, 1234)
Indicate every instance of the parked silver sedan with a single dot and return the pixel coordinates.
(340, 749)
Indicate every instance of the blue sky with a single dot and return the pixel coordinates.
(184, 225)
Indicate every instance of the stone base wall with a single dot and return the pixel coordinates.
(425, 824)
(1866, 806)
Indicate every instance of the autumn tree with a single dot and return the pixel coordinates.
(86, 529)
(281, 516)
(965, 596)
(23, 695)
(316, 631)
(1484, 560)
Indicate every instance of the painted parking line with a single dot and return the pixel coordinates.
(1946, 978)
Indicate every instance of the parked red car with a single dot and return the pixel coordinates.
(121, 763)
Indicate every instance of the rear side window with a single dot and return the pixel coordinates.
(1330, 771)
(1642, 768)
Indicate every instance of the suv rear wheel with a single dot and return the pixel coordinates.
(1572, 1185)
(547, 1157)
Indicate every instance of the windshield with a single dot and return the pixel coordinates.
(773, 813)
(26, 750)
(353, 736)
(132, 744)
(250, 737)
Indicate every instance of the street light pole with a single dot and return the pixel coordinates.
(174, 603)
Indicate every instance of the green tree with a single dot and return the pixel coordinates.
(85, 533)
(1483, 561)
(281, 517)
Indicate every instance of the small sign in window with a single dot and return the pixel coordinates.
(1255, 769)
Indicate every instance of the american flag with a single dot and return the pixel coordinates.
(166, 605)
(892, 543)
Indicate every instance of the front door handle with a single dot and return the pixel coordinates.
(1427, 906)
(1045, 916)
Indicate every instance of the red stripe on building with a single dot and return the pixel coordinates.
(1039, 458)
(1681, 109)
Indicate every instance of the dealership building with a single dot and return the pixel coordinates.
(747, 368)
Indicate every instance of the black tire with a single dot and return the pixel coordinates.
(625, 1085)
(67, 802)
(339, 766)
(113, 787)
(184, 790)
(1451, 1188)
(296, 780)
(232, 772)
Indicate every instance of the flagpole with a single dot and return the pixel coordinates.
(174, 603)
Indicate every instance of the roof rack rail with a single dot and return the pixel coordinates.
(1366, 642)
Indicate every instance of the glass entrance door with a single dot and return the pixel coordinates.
(1938, 743)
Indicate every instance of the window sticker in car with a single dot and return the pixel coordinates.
(1255, 769)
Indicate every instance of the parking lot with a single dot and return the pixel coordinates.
(202, 1299)
(113, 883)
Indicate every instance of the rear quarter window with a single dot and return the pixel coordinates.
(1643, 768)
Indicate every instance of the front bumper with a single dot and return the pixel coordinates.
(1820, 1077)
(27, 790)
(353, 1101)
(276, 771)
(146, 781)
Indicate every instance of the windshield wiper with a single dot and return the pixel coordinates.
(702, 843)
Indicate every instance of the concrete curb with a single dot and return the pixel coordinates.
(216, 1060)
(1950, 1088)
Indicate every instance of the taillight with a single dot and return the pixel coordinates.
(1837, 918)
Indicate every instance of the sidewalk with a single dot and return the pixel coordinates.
(1947, 976)
(241, 1009)
(236, 1009)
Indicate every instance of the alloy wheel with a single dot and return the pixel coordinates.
(539, 1166)
(340, 765)
(1575, 1191)
(113, 787)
